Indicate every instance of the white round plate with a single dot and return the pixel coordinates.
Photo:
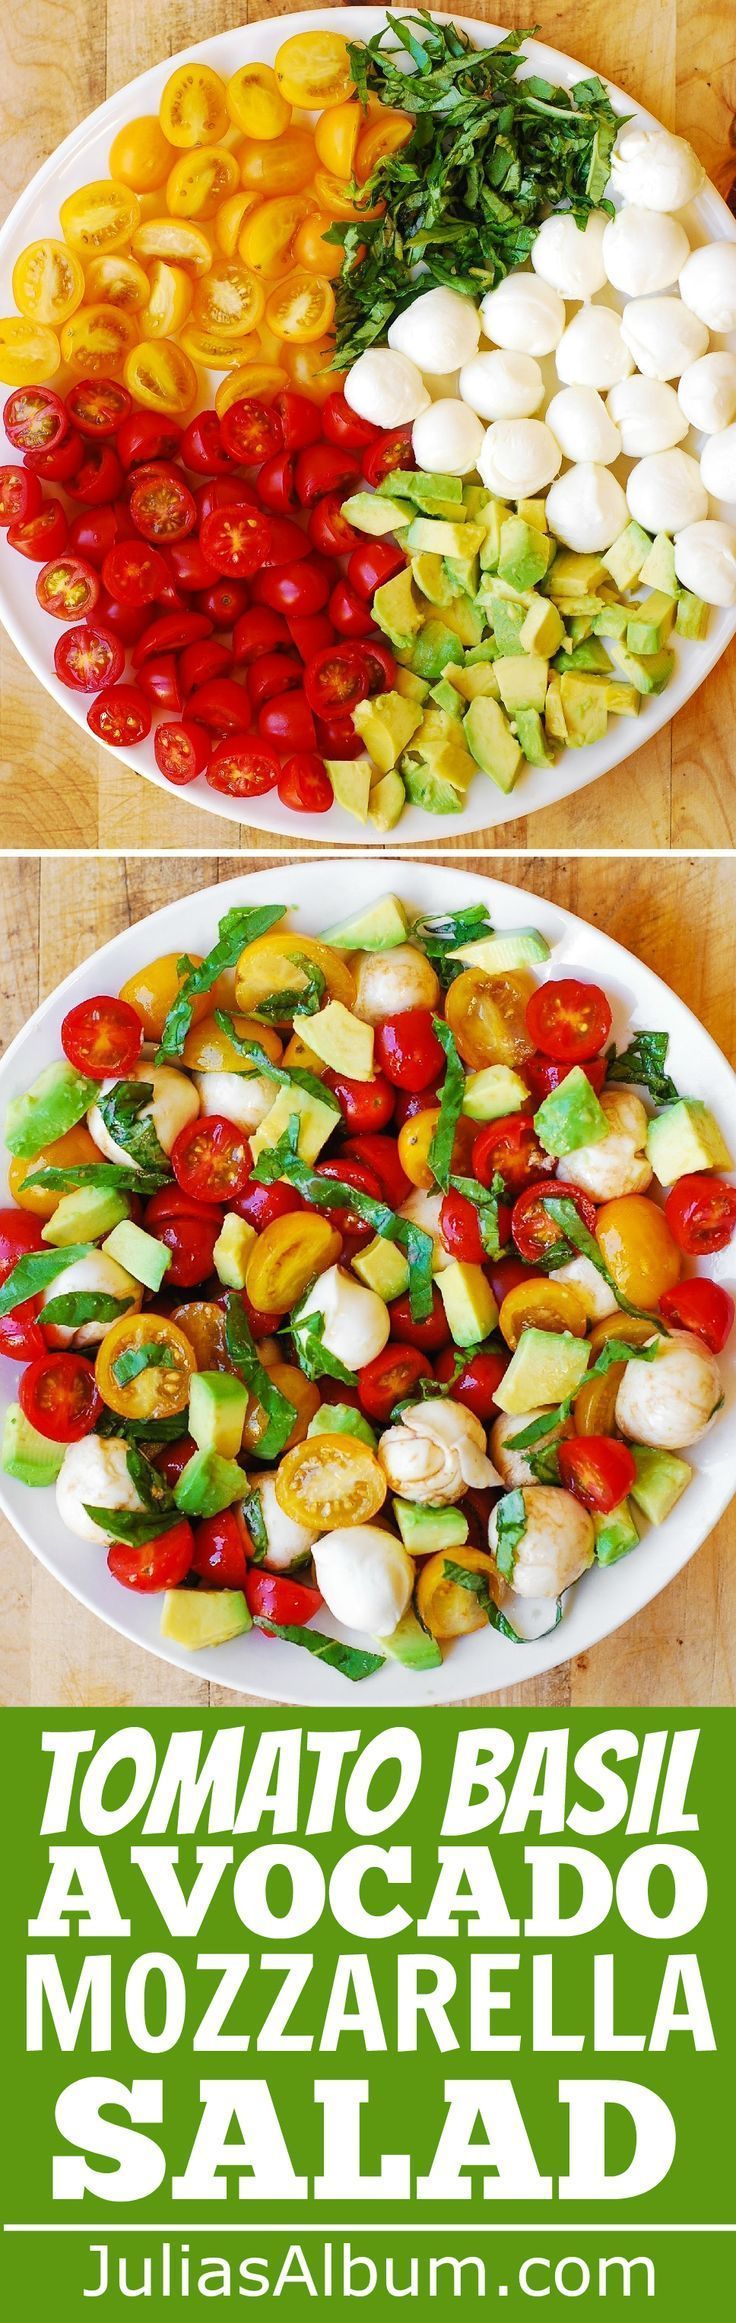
(84, 156)
(483, 1662)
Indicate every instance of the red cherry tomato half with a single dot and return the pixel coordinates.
(161, 1564)
(336, 679)
(98, 406)
(598, 1470)
(235, 540)
(120, 716)
(504, 1274)
(407, 1049)
(59, 1396)
(328, 530)
(288, 544)
(159, 682)
(172, 1202)
(250, 432)
(88, 658)
(222, 492)
(475, 1385)
(701, 1213)
(381, 1155)
(568, 1020)
(161, 506)
(224, 601)
(277, 673)
(259, 1205)
(431, 1334)
(337, 738)
(147, 436)
(380, 664)
(393, 450)
(60, 462)
(170, 633)
(348, 613)
(365, 1105)
(41, 537)
(34, 419)
(342, 426)
(701, 1306)
(276, 487)
(373, 563)
(299, 420)
(68, 588)
(324, 468)
(271, 1597)
(220, 1551)
(287, 722)
(391, 1377)
(304, 784)
(102, 1037)
(207, 658)
(409, 1102)
(171, 1459)
(243, 768)
(221, 705)
(364, 1181)
(533, 1230)
(20, 1336)
(190, 569)
(190, 1241)
(202, 448)
(257, 632)
(93, 534)
(543, 1075)
(299, 588)
(310, 633)
(181, 749)
(99, 476)
(211, 1158)
(508, 1149)
(460, 1229)
(127, 621)
(134, 572)
(20, 496)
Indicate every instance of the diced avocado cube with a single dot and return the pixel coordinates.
(507, 621)
(615, 1534)
(525, 554)
(145, 1258)
(425, 1530)
(545, 1367)
(198, 1618)
(424, 788)
(209, 1483)
(496, 955)
(316, 1122)
(463, 574)
(351, 784)
(554, 715)
(522, 681)
(584, 709)
(492, 743)
(658, 569)
(339, 1419)
(685, 1137)
(232, 1250)
(467, 622)
(693, 615)
(491, 517)
(379, 928)
(430, 575)
(383, 1267)
(542, 629)
(612, 620)
(493, 1092)
(374, 513)
(422, 488)
(56, 1102)
(530, 733)
(570, 1116)
(84, 1216)
(435, 647)
(397, 609)
(623, 701)
(534, 512)
(575, 573)
(25, 1454)
(469, 682)
(626, 556)
(218, 1403)
(412, 1645)
(387, 801)
(443, 539)
(445, 696)
(486, 651)
(587, 654)
(342, 1041)
(650, 623)
(661, 1478)
(468, 1302)
(439, 749)
(412, 688)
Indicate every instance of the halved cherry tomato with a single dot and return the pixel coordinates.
(533, 1230)
(250, 432)
(300, 307)
(373, 563)
(147, 435)
(328, 530)
(509, 1149)
(381, 1155)
(276, 483)
(93, 534)
(161, 507)
(343, 427)
(160, 375)
(311, 633)
(337, 738)
(60, 463)
(380, 664)
(287, 722)
(639, 1248)
(34, 418)
(301, 588)
(330, 1481)
(312, 248)
(193, 108)
(505, 1273)
(298, 420)
(141, 155)
(88, 658)
(460, 1229)
(598, 1470)
(304, 784)
(120, 716)
(568, 1020)
(277, 673)
(102, 1037)
(287, 1256)
(59, 1397)
(202, 448)
(207, 658)
(322, 468)
(348, 612)
(271, 1597)
(242, 768)
(365, 1105)
(407, 1049)
(190, 1233)
(97, 407)
(181, 749)
(20, 496)
(234, 540)
(542, 1304)
(221, 704)
(20, 1337)
(41, 538)
(476, 1383)
(224, 602)
(390, 1378)
(48, 282)
(343, 1216)
(220, 1551)
(135, 572)
(151, 1389)
(159, 682)
(98, 478)
(257, 632)
(127, 621)
(431, 1334)
(487, 1016)
(701, 1213)
(170, 633)
(211, 1158)
(384, 135)
(701, 1306)
(162, 1564)
(543, 1075)
(336, 680)
(68, 588)
(259, 1205)
(392, 450)
(313, 70)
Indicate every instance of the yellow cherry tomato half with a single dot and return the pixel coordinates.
(381, 137)
(259, 380)
(154, 988)
(415, 1138)
(255, 103)
(48, 282)
(114, 280)
(140, 155)
(329, 1481)
(162, 1388)
(169, 301)
(301, 308)
(594, 1409)
(230, 218)
(313, 70)
(284, 167)
(633, 1330)
(280, 963)
(200, 180)
(96, 340)
(302, 1393)
(311, 249)
(215, 351)
(542, 1305)
(204, 1326)
(230, 299)
(162, 377)
(63, 1153)
(336, 138)
(29, 352)
(286, 1257)
(268, 233)
(193, 108)
(445, 1607)
(207, 1048)
(100, 216)
(178, 241)
(333, 195)
(639, 1249)
(309, 368)
(487, 1016)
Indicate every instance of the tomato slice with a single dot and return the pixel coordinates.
(235, 540)
(392, 450)
(701, 1213)
(568, 1020)
(407, 1049)
(135, 572)
(391, 1377)
(161, 1564)
(257, 632)
(161, 505)
(335, 680)
(88, 658)
(97, 407)
(181, 750)
(169, 633)
(20, 1336)
(270, 1597)
(59, 1396)
(102, 1037)
(98, 478)
(120, 716)
(20, 496)
(508, 1149)
(242, 768)
(34, 419)
(329, 1481)
(475, 1385)
(304, 784)
(251, 432)
(598, 1470)
(701, 1306)
(146, 435)
(40, 537)
(211, 1158)
(144, 1367)
(533, 1230)
(220, 1551)
(543, 1075)
(68, 588)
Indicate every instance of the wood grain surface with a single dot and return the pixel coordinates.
(679, 918)
(58, 59)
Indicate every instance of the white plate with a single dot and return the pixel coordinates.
(84, 156)
(604, 1599)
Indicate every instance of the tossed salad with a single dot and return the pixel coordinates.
(349, 1273)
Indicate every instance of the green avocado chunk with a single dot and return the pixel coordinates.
(660, 1480)
(339, 1419)
(683, 1138)
(84, 1216)
(218, 1403)
(208, 1484)
(387, 801)
(147, 1259)
(386, 723)
(423, 1530)
(397, 610)
(56, 1102)
(379, 928)
(412, 1645)
(615, 1534)
(525, 553)
(492, 743)
(197, 1618)
(25, 1454)
(570, 1116)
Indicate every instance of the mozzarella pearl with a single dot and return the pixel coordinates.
(499, 385)
(592, 352)
(586, 508)
(236, 1096)
(174, 1102)
(718, 464)
(663, 336)
(357, 1322)
(519, 457)
(643, 251)
(447, 437)
(513, 1467)
(708, 285)
(557, 1546)
(707, 392)
(617, 1164)
(666, 492)
(705, 561)
(366, 1577)
(648, 415)
(524, 314)
(386, 388)
(94, 1474)
(387, 983)
(599, 1300)
(288, 1543)
(100, 1275)
(582, 426)
(570, 257)
(672, 1401)
(653, 167)
(439, 331)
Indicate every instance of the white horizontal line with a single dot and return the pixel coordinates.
(216, 2227)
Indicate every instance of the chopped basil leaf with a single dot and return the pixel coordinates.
(150, 1486)
(511, 1521)
(34, 1272)
(134, 1360)
(132, 1526)
(564, 1214)
(84, 1307)
(252, 1512)
(283, 1161)
(485, 1199)
(477, 1586)
(643, 1064)
(314, 1357)
(241, 926)
(350, 1660)
(260, 1063)
(112, 1177)
(441, 936)
(303, 1000)
(166, 1431)
(545, 1465)
(241, 1349)
(451, 1105)
(614, 1351)
(122, 1110)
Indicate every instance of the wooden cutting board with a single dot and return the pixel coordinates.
(679, 917)
(57, 788)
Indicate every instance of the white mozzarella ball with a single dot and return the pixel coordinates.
(519, 457)
(718, 464)
(582, 426)
(99, 1275)
(707, 392)
(666, 492)
(366, 1577)
(617, 1163)
(173, 1102)
(439, 331)
(570, 257)
(288, 1543)
(708, 285)
(238, 1097)
(586, 508)
(448, 437)
(387, 983)
(357, 1322)
(557, 1546)
(94, 1474)
(524, 314)
(643, 251)
(513, 1467)
(386, 388)
(592, 352)
(499, 385)
(599, 1300)
(655, 168)
(424, 1210)
(705, 561)
(647, 414)
(672, 1401)
(663, 336)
